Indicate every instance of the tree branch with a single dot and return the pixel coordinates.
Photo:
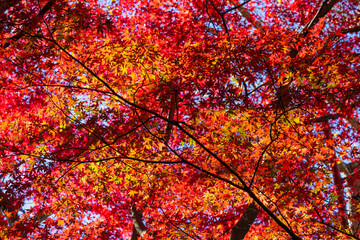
(354, 123)
(246, 14)
(327, 117)
(236, 7)
(351, 30)
(169, 126)
(243, 226)
(324, 9)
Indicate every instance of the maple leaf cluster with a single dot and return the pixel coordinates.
(187, 119)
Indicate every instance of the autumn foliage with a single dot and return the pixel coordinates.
(186, 119)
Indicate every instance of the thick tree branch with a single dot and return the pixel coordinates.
(246, 14)
(324, 9)
(351, 30)
(243, 226)
(169, 126)
(354, 123)
(42, 217)
(326, 117)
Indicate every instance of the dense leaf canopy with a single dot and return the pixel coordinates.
(179, 119)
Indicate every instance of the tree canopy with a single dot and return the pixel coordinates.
(179, 119)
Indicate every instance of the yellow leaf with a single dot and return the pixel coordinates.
(61, 222)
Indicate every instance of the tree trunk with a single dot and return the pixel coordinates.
(352, 192)
(139, 229)
(242, 227)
